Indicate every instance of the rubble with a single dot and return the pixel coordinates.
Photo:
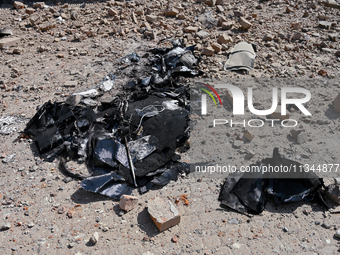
(163, 213)
(5, 31)
(18, 5)
(5, 226)
(6, 42)
(247, 135)
(244, 23)
(172, 12)
(302, 137)
(209, 51)
(94, 238)
(127, 203)
(224, 39)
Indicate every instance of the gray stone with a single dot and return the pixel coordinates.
(337, 234)
(5, 226)
(95, 238)
(238, 144)
(325, 24)
(70, 84)
(302, 138)
(202, 34)
(326, 225)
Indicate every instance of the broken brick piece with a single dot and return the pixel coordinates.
(127, 203)
(163, 213)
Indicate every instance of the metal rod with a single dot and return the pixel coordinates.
(130, 163)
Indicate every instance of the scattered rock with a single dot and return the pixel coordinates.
(238, 144)
(29, 10)
(247, 135)
(217, 47)
(297, 36)
(268, 37)
(70, 84)
(211, 3)
(163, 213)
(191, 29)
(224, 39)
(326, 225)
(127, 203)
(302, 138)
(289, 10)
(337, 234)
(233, 221)
(172, 12)
(151, 18)
(112, 12)
(174, 239)
(227, 25)
(219, 9)
(244, 23)
(250, 154)
(18, 5)
(208, 51)
(94, 238)
(202, 34)
(325, 25)
(6, 42)
(5, 226)
(39, 5)
(61, 210)
(70, 213)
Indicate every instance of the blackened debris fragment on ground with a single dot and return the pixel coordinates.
(129, 140)
(249, 192)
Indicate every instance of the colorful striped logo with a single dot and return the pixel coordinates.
(209, 93)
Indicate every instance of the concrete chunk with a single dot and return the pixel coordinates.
(127, 203)
(191, 29)
(163, 213)
(248, 135)
(244, 23)
(18, 5)
(5, 42)
(151, 18)
(70, 84)
(172, 12)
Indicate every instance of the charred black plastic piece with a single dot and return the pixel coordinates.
(99, 134)
(111, 185)
(249, 192)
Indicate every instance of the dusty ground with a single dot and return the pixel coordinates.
(84, 47)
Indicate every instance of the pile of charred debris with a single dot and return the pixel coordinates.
(130, 140)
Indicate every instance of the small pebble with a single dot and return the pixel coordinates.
(326, 225)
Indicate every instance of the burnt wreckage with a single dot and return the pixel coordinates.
(130, 140)
(249, 192)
